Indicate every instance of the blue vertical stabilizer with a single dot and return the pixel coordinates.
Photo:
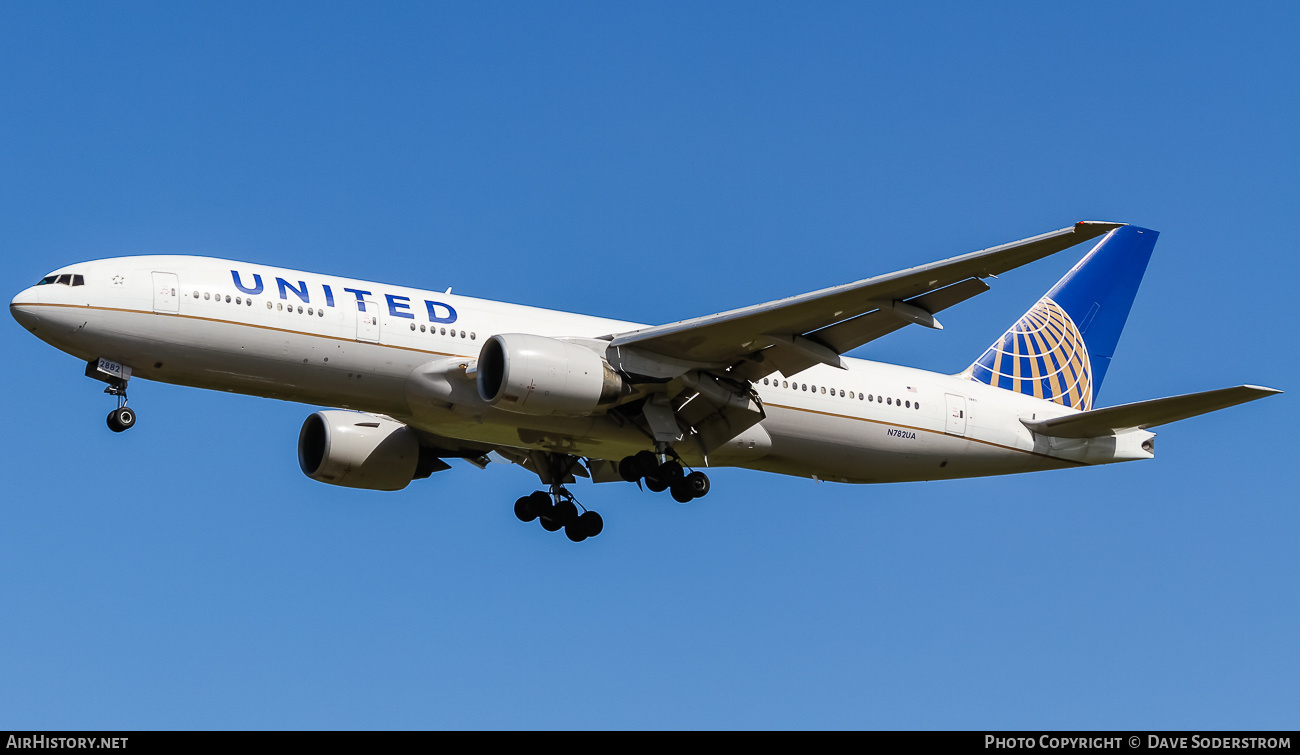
(1061, 348)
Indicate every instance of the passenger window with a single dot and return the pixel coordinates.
(239, 300)
(227, 298)
(412, 326)
(196, 294)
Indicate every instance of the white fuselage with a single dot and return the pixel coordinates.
(302, 337)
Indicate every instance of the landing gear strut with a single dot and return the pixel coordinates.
(123, 417)
(558, 509)
(663, 473)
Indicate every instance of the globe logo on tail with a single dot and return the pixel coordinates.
(1042, 355)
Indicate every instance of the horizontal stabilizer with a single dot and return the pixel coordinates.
(1143, 414)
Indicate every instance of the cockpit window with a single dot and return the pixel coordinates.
(67, 279)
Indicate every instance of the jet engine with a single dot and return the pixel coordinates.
(356, 450)
(537, 375)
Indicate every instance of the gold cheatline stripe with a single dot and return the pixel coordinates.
(1040, 347)
(996, 348)
(1017, 347)
(242, 324)
(1070, 365)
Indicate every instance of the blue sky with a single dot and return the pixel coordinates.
(653, 162)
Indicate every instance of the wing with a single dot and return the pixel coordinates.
(793, 334)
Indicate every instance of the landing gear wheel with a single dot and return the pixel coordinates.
(591, 523)
(655, 483)
(670, 471)
(575, 532)
(697, 483)
(120, 419)
(646, 463)
(681, 492)
(550, 522)
(565, 512)
(525, 510)
(627, 469)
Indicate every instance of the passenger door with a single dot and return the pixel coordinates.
(367, 321)
(956, 406)
(166, 292)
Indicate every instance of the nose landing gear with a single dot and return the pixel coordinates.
(116, 375)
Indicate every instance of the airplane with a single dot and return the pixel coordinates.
(419, 377)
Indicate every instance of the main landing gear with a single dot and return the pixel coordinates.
(663, 473)
(559, 510)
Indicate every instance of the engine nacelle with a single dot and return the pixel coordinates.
(537, 375)
(358, 450)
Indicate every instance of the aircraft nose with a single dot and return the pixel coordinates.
(26, 296)
(25, 315)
